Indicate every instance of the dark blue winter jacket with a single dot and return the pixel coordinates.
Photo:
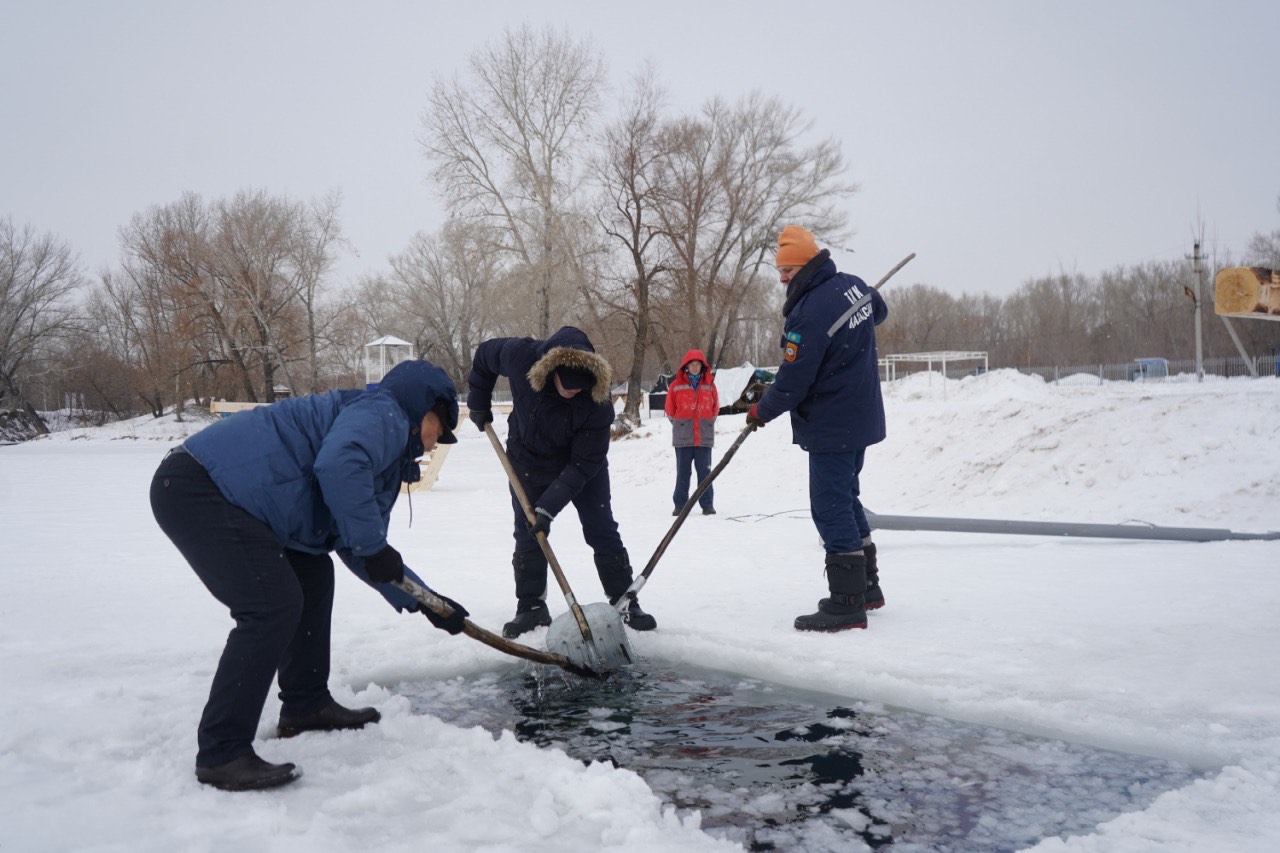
(549, 437)
(323, 471)
(829, 379)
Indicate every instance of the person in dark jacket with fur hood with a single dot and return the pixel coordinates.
(829, 381)
(558, 442)
(256, 503)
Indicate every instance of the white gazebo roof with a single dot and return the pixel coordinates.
(388, 340)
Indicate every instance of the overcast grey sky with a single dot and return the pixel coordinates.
(1000, 141)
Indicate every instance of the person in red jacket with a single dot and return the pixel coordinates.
(692, 406)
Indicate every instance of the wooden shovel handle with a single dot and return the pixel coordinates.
(437, 605)
(643, 577)
(518, 488)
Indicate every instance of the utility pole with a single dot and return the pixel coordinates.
(1196, 265)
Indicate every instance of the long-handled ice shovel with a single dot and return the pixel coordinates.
(437, 605)
(899, 265)
(598, 639)
(624, 600)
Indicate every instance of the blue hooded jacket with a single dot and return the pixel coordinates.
(551, 438)
(829, 379)
(323, 471)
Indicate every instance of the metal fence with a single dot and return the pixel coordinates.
(1180, 370)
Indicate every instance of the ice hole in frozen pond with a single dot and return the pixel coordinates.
(776, 768)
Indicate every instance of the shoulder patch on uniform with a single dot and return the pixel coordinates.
(794, 337)
(790, 350)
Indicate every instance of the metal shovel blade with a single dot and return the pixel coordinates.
(610, 648)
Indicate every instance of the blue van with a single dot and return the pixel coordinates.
(1143, 369)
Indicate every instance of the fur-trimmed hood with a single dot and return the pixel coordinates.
(570, 347)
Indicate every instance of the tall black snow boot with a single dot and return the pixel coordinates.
(531, 593)
(615, 578)
(875, 595)
(847, 580)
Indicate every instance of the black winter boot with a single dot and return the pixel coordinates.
(331, 717)
(847, 580)
(531, 592)
(875, 595)
(636, 618)
(247, 773)
(615, 577)
(530, 613)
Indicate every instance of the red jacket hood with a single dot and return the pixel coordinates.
(695, 355)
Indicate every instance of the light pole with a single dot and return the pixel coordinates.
(1196, 259)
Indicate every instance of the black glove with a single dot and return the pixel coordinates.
(753, 417)
(451, 623)
(541, 523)
(386, 566)
(480, 417)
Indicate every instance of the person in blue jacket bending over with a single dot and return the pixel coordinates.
(829, 381)
(256, 503)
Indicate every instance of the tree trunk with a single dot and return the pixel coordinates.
(15, 395)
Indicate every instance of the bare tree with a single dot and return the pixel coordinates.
(735, 175)
(626, 169)
(38, 275)
(1136, 313)
(376, 310)
(345, 327)
(140, 323)
(506, 146)
(452, 292)
(101, 360)
(242, 277)
(173, 244)
(252, 261)
(314, 252)
(1048, 318)
(1264, 248)
(920, 320)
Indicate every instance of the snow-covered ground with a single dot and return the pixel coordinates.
(1168, 649)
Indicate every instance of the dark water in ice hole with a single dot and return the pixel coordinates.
(776, 768)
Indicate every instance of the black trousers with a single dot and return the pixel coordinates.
(595, 511)
(281, 600)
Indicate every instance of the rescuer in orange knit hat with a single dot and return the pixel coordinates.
(796, 247)
(829, 382)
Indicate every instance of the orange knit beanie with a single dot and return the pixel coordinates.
(796, 247)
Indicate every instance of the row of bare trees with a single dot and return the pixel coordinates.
(132, 342)
(1072, 319)
(651, 228)
(219, 297)
(39, 278)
